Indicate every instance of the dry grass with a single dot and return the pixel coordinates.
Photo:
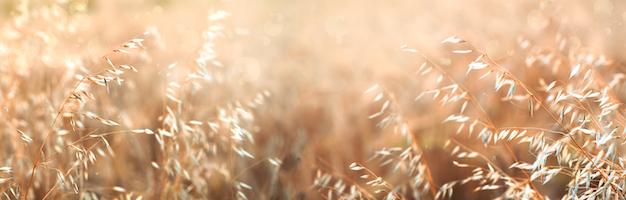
(312, 100)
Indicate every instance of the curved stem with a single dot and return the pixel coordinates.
(61, 107)
(415, 143)
(536, 99)
(370, 196)
(482, 112)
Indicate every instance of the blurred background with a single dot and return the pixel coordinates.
(290, 74)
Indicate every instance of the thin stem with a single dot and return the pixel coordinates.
(66, 173)
(480, 110)
(482, 156)
(387, 184)
(50, 131)
(415, 143)
(60, 110)
(536, 99)
(568, 133)
(346, 177)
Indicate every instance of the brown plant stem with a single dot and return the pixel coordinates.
(482, 113)
(415, 144)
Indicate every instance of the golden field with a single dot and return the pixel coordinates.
(190, 99)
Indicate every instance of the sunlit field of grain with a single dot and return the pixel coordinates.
(292, 99)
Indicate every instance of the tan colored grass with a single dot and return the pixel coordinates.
(311, 100)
